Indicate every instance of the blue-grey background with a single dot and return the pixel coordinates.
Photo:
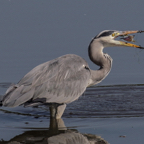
(34, 31)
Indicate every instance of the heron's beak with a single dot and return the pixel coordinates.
(130, 45)
(125, 33)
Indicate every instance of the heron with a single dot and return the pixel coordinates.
(63, 80)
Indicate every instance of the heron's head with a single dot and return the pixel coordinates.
(108, 38)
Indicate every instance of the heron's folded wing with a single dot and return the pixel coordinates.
(61, 80)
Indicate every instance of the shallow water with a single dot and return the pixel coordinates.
(112, 114)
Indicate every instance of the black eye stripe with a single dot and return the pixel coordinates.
(107, 33)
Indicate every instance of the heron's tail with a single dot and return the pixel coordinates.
(17, 95)
(1, 98)
(9, 90)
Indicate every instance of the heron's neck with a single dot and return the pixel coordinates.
(99, 58)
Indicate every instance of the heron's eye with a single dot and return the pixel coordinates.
(114, 34)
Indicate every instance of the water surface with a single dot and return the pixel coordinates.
(112, 114)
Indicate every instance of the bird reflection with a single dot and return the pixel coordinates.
(57, 133)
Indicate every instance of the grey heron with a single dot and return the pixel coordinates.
(64, 79)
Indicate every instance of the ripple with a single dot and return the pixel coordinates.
(100, 101)
(110, 101)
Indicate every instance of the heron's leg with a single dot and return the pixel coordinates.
(53, 111)
(56, 110)
(60, 111)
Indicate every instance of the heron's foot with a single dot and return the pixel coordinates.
(56, 110)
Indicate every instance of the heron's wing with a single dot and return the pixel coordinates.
(61, 80)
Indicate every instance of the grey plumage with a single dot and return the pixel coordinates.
(64, 79)
(54, 80)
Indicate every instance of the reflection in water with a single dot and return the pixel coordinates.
(56, 134)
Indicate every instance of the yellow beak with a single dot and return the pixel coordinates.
(130, 32)
(123, 33)
(130, 45)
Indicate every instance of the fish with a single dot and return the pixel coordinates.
(129, 38)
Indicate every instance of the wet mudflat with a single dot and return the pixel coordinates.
(104, 114)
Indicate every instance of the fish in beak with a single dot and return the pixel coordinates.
(128, 38)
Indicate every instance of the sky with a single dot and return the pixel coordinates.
(34, 31)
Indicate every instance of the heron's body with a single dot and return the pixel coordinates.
(52, 82)
(64, 79)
